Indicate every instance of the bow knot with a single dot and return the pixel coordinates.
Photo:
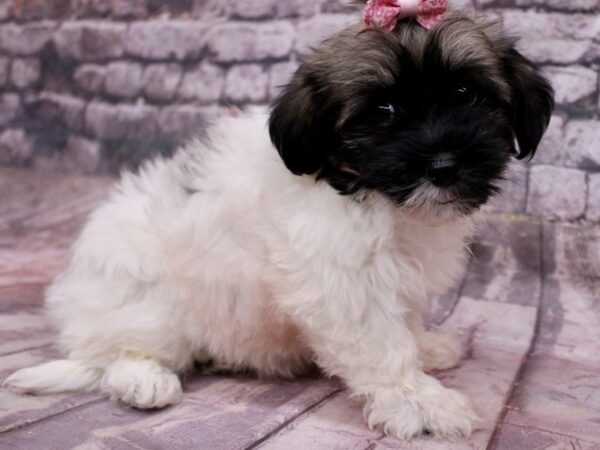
(386, 13)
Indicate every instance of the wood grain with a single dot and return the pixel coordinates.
(40, 216)
(216, 413)
(559, 394)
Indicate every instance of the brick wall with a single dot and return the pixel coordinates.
(90, 86)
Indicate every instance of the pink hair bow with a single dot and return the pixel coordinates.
(386, 13)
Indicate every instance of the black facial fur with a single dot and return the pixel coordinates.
(409, 110)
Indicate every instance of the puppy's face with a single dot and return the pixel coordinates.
(428, 118)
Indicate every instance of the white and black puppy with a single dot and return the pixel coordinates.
(320, 243)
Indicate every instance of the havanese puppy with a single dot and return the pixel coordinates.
(319, 242)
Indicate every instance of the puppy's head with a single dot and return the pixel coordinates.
(428, 118)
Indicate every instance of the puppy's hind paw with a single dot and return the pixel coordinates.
(142, 383)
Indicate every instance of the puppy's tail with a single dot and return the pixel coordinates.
(55, 377)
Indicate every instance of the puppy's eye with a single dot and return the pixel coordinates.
(466, 94)
(382, 113)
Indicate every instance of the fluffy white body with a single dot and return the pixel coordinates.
(221, 253)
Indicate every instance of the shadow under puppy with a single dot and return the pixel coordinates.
(327, 253)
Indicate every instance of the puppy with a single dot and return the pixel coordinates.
(319, 245)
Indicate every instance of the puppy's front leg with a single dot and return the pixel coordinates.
(364, 338)
(378, 359)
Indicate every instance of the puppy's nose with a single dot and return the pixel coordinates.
(443, 171)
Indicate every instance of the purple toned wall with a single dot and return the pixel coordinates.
(90, 86)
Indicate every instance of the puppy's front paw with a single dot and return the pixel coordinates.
(439, 351)
(431, 410)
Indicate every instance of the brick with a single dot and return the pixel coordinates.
(82, 155)
(48, 161)
(280, 75)
(571, 5)
(247, 83)
(513, 196)
(181, 122)
(91, 8)
(582, 140)
(203, 83)
(557, 193)
(90, 78)
(161, 81)
(124, 79)
(4, 70)
(107, 121)
(129, 9)
(210, 9)
(313, 31)
(555, 51)
(41, 9)
(10, 108)
(593, 201)
(242, 41)
(16, 147)
(252, 9)
(160, 39)
(340, 6)
(57, 110)
(592, 55)
(88, 40)
(25, 39)
(5, 10)
(174, 7)
(552, 148)
(533, 24)
(25, 72)
(302, 8)
(573, 84)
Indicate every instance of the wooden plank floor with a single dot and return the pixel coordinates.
(528, 310)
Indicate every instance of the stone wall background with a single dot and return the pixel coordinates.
(90, 86)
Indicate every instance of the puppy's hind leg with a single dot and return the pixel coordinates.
(141, 383)
(438, 350)
(55, 377)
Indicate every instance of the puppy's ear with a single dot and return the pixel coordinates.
(532, 102)
(302, 124)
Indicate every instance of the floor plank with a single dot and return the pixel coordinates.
(217, 412)
(505, 266)
(513, 437)
(38, 200)
(18, 410)
(40, 216)
(23, 330)
(506, 261)
(559, 391)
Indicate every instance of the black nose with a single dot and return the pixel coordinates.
(443, 172)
